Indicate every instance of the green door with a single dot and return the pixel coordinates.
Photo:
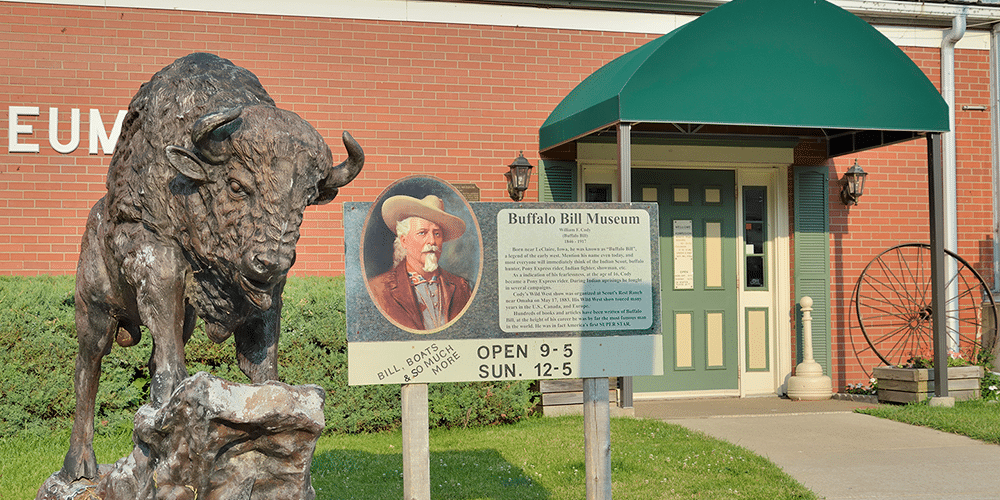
(699, 277)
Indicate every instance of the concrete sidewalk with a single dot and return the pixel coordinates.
(839, 454)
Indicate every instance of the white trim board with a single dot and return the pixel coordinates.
(507, 15)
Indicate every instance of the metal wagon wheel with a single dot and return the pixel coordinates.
(893, 304)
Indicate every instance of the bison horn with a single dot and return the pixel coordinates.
(343, 173)
(211, 134)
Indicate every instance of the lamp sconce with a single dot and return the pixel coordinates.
(518, 177)
(854, 185)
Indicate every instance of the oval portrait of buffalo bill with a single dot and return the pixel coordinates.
(421, 254)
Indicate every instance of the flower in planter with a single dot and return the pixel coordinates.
(957, 360)
(918, 362)
(954, 359)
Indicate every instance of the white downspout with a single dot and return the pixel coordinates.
(995, 148)
(949, 159)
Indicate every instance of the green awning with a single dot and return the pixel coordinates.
(804, 64)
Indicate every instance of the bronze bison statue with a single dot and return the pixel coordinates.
(206, 191)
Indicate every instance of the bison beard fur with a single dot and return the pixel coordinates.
(206, 191)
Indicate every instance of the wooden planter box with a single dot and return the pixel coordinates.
(907, 385)
(565, 397)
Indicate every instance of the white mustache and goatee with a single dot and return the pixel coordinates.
(429, 252)
(430, 258)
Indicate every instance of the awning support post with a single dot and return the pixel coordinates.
(625, 196)
(936, 210)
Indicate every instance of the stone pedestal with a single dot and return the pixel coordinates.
(213, 440)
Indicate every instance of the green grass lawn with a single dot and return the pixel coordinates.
(978, 419)
(27, 460)
(544, 458)
(538, 458)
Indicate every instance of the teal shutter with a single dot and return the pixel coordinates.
(556, 181)
(812, 258)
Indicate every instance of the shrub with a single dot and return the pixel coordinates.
(38, 348)
(478, 403)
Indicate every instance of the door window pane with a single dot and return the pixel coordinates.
(755, 235)
(682, 196)
(713, 196)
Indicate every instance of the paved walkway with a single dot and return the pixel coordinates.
(839, 454)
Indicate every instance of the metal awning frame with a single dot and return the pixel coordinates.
(936, 201)
(839, 142)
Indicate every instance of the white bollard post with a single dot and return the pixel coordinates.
(808, 383)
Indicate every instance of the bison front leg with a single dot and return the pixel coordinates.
(257, 345)
(166, 363)
(160, 278)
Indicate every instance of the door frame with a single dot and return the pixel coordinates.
(596, 161)
(779, 312)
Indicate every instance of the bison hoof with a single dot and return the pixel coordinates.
(79, 464)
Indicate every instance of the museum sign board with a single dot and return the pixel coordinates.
(530, 290)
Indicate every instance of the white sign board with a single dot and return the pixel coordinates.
(558, 290)
(591, 273)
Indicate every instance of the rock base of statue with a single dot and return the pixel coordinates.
(213, 439)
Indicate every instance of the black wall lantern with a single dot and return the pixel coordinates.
(854, 185)
(518, 177)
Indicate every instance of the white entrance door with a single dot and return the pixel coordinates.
(764, 353)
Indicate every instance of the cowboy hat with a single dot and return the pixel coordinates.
(400, 207)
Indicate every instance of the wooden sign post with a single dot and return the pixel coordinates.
(416, 444)
(597, 438)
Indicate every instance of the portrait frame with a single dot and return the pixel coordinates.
(462, 256)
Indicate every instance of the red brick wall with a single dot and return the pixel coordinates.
(456, 101)
(894, 208)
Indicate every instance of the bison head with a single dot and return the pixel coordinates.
(245, 184)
